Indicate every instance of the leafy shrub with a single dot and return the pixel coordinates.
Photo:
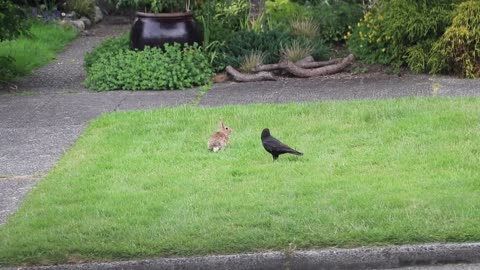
(332, 17)
(12, 20)
(319, 50)
(391, 31)
(281, 12)
(82, 7)
(220, 18)
(152, 68)
(114, 44)
(335, 17)
(269, 42)
(369, 40)
(458, 50)
(244, 42)
(418, 55)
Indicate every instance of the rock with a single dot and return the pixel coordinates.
(78, 24)
(98, 14)
(86, 21)
(72, 15)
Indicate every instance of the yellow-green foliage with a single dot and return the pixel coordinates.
(390, 33)
(458, 50)
(418, 56)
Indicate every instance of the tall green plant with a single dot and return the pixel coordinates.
(221, 19)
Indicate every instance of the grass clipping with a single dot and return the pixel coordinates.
(143, 184)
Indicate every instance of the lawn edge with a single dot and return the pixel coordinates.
(332, 258)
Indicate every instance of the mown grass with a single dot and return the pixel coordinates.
(143, 184)
(43, 44)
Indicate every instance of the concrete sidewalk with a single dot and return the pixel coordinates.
(50, 109)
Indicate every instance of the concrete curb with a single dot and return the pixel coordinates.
(358, 258)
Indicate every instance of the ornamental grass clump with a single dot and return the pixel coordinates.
(305, 28)
(296, 51)
(253, 59)
(174, 67)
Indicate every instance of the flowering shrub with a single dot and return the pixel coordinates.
(369, 41)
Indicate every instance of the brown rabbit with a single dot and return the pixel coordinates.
(219, 139)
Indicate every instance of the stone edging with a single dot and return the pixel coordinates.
(359, 258)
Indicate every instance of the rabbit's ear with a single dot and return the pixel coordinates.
(220, 123)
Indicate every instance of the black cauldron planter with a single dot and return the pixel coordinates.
(156, 29)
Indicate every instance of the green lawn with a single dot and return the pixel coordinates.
(32, 52)
(142, 184)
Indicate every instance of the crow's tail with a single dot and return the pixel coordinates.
(295, 152)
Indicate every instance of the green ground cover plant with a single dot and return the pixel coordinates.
(110, 45)
(143, 184)
(38, 48)
(173, 67)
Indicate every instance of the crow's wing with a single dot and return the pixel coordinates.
(271, 144)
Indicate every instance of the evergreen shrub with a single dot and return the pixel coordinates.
(270, 43)
(458, 50)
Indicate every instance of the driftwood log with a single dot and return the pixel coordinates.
(247, 77)
(304, 68)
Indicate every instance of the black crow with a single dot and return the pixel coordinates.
(276, 147)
